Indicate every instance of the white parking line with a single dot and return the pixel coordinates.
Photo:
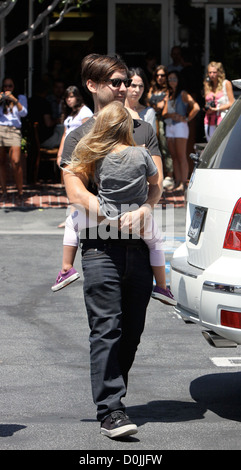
(226, 361)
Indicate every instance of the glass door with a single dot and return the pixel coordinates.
(138, 32)
(137, 28)
(224, 43)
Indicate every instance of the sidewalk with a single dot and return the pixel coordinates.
(37, 196)
(54, 196)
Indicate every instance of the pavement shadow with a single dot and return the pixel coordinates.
(7, 430)
(219, 393)
(166, 411)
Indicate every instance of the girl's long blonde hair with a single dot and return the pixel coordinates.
(221, 77)
(113, 126)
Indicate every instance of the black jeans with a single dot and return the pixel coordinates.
(117, 287)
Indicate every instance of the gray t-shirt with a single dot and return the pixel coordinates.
(122, 180)
(143, 134)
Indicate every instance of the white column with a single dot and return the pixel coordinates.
(207, 37)
(30, 49)
(2, 41)
(111, 28)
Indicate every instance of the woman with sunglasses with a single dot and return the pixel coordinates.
(156, 96)
(13, 107)
(136, 96)
(179, 109)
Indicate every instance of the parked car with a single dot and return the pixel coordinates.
(205, 271)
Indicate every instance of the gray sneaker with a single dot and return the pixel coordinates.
(117, 424)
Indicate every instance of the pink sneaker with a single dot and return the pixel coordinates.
(164, 295)
(63, 279)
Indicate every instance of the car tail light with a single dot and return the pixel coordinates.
(231, 318)
(233, 235)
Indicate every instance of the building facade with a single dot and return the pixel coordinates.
(135, 29)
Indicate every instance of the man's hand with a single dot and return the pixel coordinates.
(135, 221)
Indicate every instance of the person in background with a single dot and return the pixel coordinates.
(179, 109)
(219, 97)
(156, 96)
(177, 59)
(39, 110)
(75, 113)
(56, 99)
(13, 107)
(136, 97)
(150, 63)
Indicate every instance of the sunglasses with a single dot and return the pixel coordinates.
(117, 82)
(161, 75)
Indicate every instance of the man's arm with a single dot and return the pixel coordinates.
(76, 185)
(77, 192)
(155, 191)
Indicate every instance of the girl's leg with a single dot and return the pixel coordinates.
(70, 245)
(3, 169)
(181, 155)
(176, 167)
(15, 156)
(152, 237)
(75, 222)
(159, 273)
(69, 253)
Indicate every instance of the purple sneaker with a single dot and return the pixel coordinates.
(164, 295)
(63, 279)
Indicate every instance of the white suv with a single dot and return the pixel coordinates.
(206, 270)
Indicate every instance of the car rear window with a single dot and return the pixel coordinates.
(224, 149)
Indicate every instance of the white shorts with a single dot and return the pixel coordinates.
(209, 130)
(178, 130)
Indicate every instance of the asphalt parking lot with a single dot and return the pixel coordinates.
(45, 399)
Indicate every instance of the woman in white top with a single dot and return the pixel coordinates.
(75, 114)
(13, 107)
(136, 97)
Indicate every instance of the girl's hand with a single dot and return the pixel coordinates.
(134, 222)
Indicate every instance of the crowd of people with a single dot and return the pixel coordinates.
(115, 159)
(167, 99)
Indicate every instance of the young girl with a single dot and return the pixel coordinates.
(121, 171)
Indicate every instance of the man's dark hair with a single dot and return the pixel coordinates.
(99, 68)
